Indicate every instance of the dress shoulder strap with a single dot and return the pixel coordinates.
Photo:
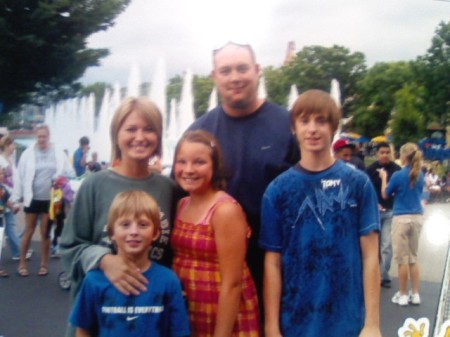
(222, 199)
(182, 205)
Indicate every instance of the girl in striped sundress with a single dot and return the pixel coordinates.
(210, 244)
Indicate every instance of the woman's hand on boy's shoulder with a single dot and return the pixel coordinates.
(123, 274)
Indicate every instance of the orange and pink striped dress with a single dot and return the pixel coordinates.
(196, 264)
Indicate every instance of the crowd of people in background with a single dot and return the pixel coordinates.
(268, 226)
(39, 182)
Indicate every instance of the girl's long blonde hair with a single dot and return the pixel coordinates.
(412, 157)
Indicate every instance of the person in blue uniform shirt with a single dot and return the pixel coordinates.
(80, 156)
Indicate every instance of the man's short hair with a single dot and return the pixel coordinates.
(239, 45)
(84, 141)
(381, 145)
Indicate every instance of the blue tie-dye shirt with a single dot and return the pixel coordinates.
(315, 220)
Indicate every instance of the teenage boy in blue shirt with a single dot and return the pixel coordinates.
(320, 225)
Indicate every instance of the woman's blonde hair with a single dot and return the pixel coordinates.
(147, 110)
(5, 142)
(41, 126)
(136, 204)
(412, 156)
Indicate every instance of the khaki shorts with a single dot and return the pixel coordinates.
(405, 237)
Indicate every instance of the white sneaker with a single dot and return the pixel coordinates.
(414, 298)
(27, 256)
(55, 254)
(399, 299)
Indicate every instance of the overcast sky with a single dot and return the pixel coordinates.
(184, 32)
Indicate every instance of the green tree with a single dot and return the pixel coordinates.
(174, 88)
(98, 89)
(315, 66)
(433, 70)
(375, 97)
(277, 85)
(407, 123)
(44, 46)
(202, 87)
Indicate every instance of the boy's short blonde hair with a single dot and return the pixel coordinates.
(316, 101)
(135, 203)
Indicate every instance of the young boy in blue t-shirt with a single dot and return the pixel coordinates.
(101, 310)
(320, 227)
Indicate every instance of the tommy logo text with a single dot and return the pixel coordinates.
(330, 183)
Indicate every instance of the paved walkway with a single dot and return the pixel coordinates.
(433, 251)
(37, 307)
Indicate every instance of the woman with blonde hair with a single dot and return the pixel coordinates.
(406, 187)
(136, 131)
(38, 166)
